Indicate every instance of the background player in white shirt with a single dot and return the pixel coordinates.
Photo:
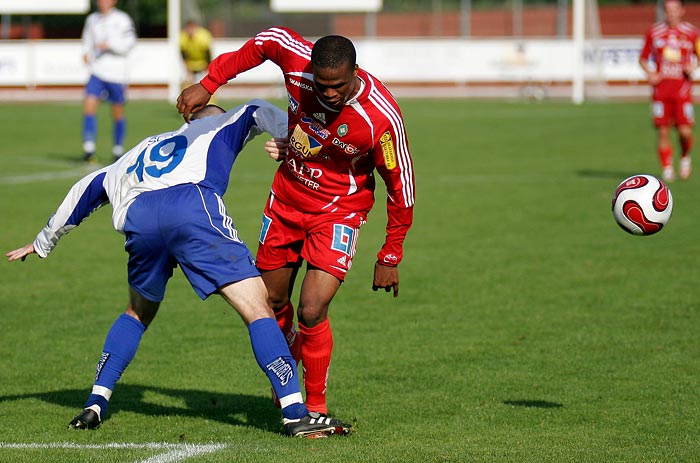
(166, 194)
(108, 36)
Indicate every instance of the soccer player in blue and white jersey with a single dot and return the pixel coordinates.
(166, 194)
(108, 36)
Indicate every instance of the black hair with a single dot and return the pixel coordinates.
(333, 51)
(208, 110)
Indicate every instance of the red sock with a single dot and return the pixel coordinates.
(665, 156)
(285, 320)
(686, 146)
(316, 351)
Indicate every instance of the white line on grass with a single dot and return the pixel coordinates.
(176, 452)
(45, 176)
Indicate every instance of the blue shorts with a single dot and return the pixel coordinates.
(185, 225)
(110, 91)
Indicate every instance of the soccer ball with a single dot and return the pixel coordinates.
(642, 204)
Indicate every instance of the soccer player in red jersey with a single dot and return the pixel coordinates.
(674, 48)
(343, 125)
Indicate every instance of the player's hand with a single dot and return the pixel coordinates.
(654, 78)
(386, 277)
(277, 148)
(21, 253)
(689, 70)
(191, 100)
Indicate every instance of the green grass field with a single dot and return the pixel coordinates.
(529, 327)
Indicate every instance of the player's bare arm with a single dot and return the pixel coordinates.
(689, 69)
(191, 100)
(386, 277)
(276, 148)
(21, 253)
(652, 76)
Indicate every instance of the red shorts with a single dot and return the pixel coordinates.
(327, 240)
(676, 111)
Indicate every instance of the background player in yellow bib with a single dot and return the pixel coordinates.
(195, 48)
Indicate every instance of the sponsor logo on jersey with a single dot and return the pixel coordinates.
(301, 85)
(388, 151)
(347, 147)
(266, 222)
(305, 174)
(321, 117)
(344, 240)
(390, 259)
(293, 104)
(672, 53)
(342, 130)
(315, 128)
(303, 143)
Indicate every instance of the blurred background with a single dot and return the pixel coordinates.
(397, 18)
(464, 48)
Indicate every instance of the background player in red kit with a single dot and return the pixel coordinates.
(343, 125)
(674, 48)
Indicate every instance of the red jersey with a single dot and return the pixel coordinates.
(332, 153)
(671, 48)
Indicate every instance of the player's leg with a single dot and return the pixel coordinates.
(93, 89)
(249, 298)
(199, 233)
(150, 267)
(211, 256)
(685, 120)
(119, 130)
(278, 258)
(117, 96)
(685, 133)
(662, 112)
(202, 237)
(317, 291)
(329, 249)
(279, 284)
(120, 346)
(665, 152)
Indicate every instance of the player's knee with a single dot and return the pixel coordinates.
(311, 316)
(277, 297)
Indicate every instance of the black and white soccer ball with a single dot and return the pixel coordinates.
(642, 205)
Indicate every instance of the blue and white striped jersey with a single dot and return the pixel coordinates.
(202, 153)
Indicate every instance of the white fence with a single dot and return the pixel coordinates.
(422, 62)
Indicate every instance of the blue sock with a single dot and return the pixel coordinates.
(119, 131)
(120, 347)
(89, 127)
(272, 354)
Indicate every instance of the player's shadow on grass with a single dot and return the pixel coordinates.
(533, 403)
(233, 409)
